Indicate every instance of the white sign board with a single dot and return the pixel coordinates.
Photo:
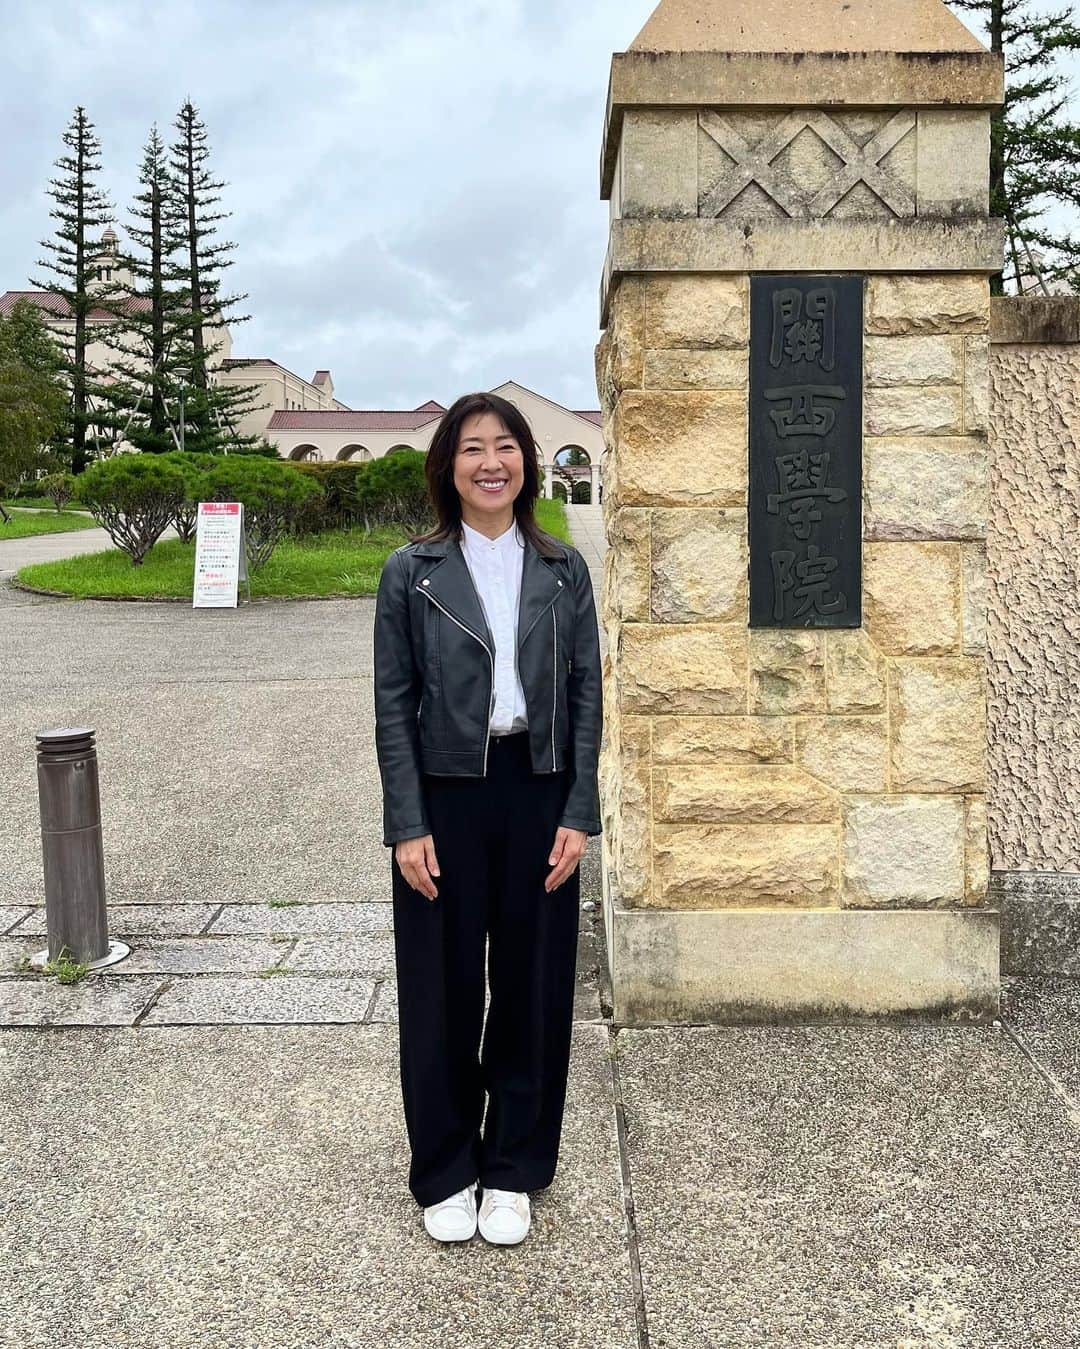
(220, 555)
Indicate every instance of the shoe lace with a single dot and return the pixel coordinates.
(458, 1200)
(503, 1198)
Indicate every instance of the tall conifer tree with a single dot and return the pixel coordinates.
(213, 410)
(1034, 148)
(80, 207)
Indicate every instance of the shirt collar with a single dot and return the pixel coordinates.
(503, 543)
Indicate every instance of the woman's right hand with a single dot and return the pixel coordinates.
(418, 863)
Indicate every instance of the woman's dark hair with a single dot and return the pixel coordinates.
(439, 470)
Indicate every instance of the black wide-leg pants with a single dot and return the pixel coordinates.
(493, 836)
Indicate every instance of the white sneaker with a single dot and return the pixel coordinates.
(454, 1218)
(504, 1217)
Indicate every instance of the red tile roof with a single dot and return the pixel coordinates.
(58, 307)
(431, 406)
(595, 417)
(352, 421)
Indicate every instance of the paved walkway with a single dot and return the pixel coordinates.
(204, 1145)
(587, 533)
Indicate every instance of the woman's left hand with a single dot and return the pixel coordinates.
(567, 852)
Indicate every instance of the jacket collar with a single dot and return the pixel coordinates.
(450, 583)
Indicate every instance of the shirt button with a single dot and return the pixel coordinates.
(425, 582)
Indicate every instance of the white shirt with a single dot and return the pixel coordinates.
(495, 565)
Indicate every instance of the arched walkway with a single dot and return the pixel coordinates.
(360, 452)
(396, 449)
(306, 453)
(572, 469)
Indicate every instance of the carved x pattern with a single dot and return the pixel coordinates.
(754, 164)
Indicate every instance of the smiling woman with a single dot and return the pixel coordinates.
(487, 728)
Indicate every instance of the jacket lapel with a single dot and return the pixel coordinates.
(539, 589)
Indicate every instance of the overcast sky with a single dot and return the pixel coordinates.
(414, 184)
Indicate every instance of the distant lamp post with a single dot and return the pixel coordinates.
(184, 376)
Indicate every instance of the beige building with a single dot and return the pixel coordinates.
(570, 443)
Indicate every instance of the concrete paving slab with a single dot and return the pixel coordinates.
(1045, 1013)
(134, 920)
(281, 999)
(357, 953)
(11, 915)
(850, 1186)
(41, 1000)
(183, 955)
(344, 918)
(386, 1002)
(245, 1187)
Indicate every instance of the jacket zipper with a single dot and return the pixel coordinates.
(491, 660)
(554, 680)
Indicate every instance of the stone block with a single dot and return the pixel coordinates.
(626, 565)
(1040, 921)
(700, 669)
(938, 725)
(679, 449)
(683, 368)
(658, 163)
(787, 671)
(953, 172)
(911, 597)
(849, 754)
(735, 740)
(796, 964)
(903, 850)
(699, 566)
(855, 672)
(901, 305)
(744, 865)
(913, 361)
(926, 410)
(697, 311)
(973, 583)
(630, 822)
(620, 354)
(737, 794)
(926, 488)
(976, 850)
(976, 385)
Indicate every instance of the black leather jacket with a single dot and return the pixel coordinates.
(434, 678)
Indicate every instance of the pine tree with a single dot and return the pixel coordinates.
(33, 396)
(152, 342)
(212, 410)
(1034, 149)
(80, 206)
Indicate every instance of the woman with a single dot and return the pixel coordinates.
(487, 726)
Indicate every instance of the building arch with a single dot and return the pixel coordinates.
(572, 470)
(305, 454)
(360, 452)
(397, 449)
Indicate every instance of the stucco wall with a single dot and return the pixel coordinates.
(1034, 586)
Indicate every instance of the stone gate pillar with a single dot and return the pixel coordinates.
(794, 381)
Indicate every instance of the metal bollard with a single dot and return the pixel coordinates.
(72, 850)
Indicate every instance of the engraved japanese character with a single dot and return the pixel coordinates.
(805, 409)
(814, 573)
(804, 327)
(802, 478)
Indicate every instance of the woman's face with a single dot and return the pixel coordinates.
(489, 469)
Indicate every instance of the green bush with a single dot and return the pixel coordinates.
(393, 491)
(134, 497)
(339, 507)
(58, 487)
(274, 495)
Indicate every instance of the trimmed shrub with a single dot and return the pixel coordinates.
(192, 468)
(393, 491)
(339, 506)
(273, 496)
(134, 497)
(58, 487)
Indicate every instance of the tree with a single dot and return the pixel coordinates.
(1034, 149)
(80, 206)
(152, 338)
(212, 411)
(33, 399)
(134, 497)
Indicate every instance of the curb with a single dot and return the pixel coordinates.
(16, 584)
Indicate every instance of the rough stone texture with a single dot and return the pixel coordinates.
(682, 368)
(938, 725)
(742, 865)
(1033, 618)
(925, 487)
(733, 964)
(850, 754)
(697, 311)
(658, 163)
(1046, 320)
(973, 574)
(976, 850)
(734, 794)
(626, 795)
(913, 361)
(699, 566)
(855, 672)
(626, 565)
(911, 597)
(1040, 921)
(954, 162)
(897, 306)
(700, 669)
(36, 1000)
(787, 671)
(976, 384)
(709, 740)
(673, 449)
(903, 850)
(922, 411)
(620, 351)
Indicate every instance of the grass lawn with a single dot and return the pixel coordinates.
(42, 503)
(25, 523)
(335, 563)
